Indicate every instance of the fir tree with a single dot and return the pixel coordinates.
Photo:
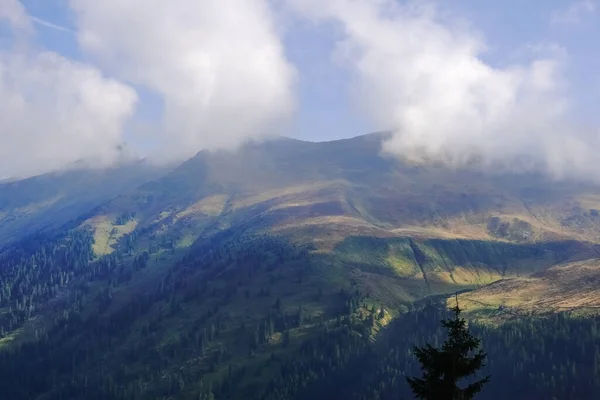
(444, 368)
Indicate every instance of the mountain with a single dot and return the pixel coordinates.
(48, 201)
(427, 225)
(272, 272)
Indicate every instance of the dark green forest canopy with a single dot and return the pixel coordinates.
(244, 317)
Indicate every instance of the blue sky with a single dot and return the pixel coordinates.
(538, 57)
(325, 112)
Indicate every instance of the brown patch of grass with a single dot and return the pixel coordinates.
(327, 231)
(301, 193)
(211, 206)
(468, 276)
(564, 287)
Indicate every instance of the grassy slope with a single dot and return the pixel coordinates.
(402, 232)
(470, 229)
(565, 287)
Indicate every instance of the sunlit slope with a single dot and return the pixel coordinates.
(441, 228)
(565, 287)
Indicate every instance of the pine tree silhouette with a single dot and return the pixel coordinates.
(444, 368)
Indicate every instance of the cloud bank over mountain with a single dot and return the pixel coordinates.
(218, 65)
(220, 71)
(55, 111)
(422, 74)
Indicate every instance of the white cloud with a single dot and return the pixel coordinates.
(218, 64)
(14, 12)
(574, 13)
(424, 77)
(54, 111)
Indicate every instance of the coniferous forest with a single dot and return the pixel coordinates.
(244, 317)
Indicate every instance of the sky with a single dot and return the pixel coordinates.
(513, 84)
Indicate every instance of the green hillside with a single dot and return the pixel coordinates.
(267, 273)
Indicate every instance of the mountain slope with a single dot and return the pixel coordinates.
(381, 191)
(258, 273)
(564, 287)
(325, 194)
(48, 201)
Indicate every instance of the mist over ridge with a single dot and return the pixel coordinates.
(223, 75)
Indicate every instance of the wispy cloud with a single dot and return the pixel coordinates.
(574, 14)
(50, 25)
